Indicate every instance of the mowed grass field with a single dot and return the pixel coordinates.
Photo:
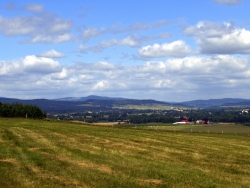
(218, 128)
(145, 107)
(37, 153)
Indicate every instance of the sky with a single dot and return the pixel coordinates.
(170, 51)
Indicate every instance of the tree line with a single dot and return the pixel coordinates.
(137, 117)
(21, 111)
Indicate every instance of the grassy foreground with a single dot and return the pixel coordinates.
(60, 154)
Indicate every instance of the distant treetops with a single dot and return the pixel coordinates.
(21, 111)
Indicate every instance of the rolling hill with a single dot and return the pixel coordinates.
(211, 103)
(97, 103)
(81, 104)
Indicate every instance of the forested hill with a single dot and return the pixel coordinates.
(95, 103)
(91, 97)
(216, 103)
(21, 111)
(55, 106)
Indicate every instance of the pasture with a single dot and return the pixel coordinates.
(218, 128)
(42, 153)
(144, 107)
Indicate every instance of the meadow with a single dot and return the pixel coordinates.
(39, 153)
(216, 128)
(144, 107)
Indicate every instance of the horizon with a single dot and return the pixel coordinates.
(165, 51)
(125, 99)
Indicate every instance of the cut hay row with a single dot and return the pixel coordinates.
(62, 154)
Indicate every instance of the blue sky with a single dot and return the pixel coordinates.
(163, 50)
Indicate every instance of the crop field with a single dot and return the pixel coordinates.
(39, 153)
(219, 128)
(144, 107)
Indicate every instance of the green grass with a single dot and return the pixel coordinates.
(226, 128)
(145, 107)
(61, 154)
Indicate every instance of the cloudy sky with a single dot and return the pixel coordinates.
(164, 50)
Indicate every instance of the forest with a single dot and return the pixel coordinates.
(21, 111)
(166, 116)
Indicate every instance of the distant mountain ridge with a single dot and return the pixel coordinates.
(214, 102)
(90, 103)
(93, 97)
(97, 103)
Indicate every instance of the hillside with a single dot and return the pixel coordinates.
(215, 103)
(96, 104)
(91, 97)
(62, 154)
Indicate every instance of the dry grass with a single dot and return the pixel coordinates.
(61, 154)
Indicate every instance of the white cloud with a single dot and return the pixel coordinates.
(189, 73)
(127, 41)
(175, 49)
(48, 39)
(201, 76)
(60, 75)
(118, 29)
(104, 85)
(29, 64)
(220, 38)
(195, 65)
(237, 42)
(41, 28)
(91, 32)
(227, 2)
(52, 54)
(115, 29)
(131, 41)
(207, 29)
(9, 69)
(40, 65)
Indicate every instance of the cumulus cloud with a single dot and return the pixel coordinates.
(40, 65)
(46, 28)
(176, 49)
(237, 42)
(189, 74)
(31, 65)
(227, 2)
(60, 75)
(196, 65)
(178, 76)
(188, 67)
(52, 54)
(220, 38)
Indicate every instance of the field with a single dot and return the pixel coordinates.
(61, 154)
(219, 128)
(146, 107)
